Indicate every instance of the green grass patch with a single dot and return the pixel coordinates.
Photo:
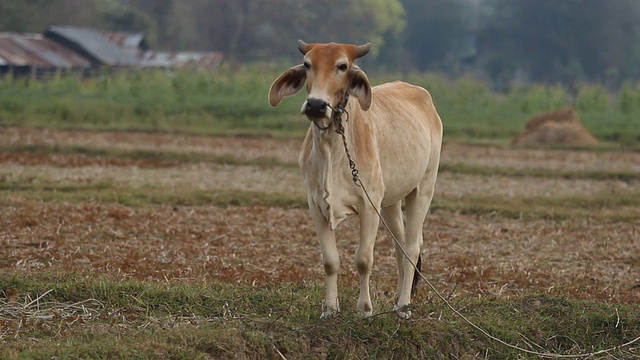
(228, 101)
(221, 102)
(121, 319)
(169, 157)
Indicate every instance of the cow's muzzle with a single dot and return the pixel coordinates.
(316, 108)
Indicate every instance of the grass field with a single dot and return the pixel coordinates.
(235, 102)
(156, 234)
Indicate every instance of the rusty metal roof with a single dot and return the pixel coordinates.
(127, 40)
(36, 50)
(93, 44)
(71, 47)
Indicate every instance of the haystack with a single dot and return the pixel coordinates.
(561, 127)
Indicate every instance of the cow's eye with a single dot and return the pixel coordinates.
(307, 65)
(342, 67)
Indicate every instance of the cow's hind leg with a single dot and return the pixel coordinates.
(417, 207)
(330, 258)
(392, 216)
(364, 258)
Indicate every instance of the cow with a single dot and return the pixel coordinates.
(394, 135)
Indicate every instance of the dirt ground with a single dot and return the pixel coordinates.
(464, 254)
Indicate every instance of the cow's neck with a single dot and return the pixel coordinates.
(329, 144)
(333, 169)
(328, 164)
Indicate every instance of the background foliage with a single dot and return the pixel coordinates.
(491, 64)
(234, 101)
(550, 41)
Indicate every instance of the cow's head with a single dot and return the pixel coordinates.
(330, 73)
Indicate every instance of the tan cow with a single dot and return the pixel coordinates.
(394, 135)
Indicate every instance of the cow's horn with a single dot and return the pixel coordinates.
(363, 50)
(303, 47)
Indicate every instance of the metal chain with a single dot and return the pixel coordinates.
(340, 131)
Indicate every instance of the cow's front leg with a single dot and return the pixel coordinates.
(330, 259)
(364, 258)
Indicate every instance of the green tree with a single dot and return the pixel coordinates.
(156, 19)
(438, 33)
(37, 15)
(268, 29)
(246, 30)
(560, 41)
(118, 15)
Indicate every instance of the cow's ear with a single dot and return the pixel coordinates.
(289, 83)
(359, 87)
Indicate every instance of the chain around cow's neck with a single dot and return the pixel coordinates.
(352, 164)
(337, 118)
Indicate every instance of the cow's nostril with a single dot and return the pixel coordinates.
(315, 107)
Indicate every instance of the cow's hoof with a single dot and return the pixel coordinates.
(403, 312)
(328, 312)
(366, 314)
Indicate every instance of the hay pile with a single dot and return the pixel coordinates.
(561, 127)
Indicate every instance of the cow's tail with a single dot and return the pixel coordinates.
(416, 275)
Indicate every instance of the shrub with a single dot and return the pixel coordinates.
(629, 98)
(592, 98)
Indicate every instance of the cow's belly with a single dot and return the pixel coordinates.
(398, 186)
(400, 180)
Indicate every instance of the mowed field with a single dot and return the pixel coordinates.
(510, 228)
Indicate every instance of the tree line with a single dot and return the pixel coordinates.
(547, 41)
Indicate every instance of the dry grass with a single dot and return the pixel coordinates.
(287, 150)
(176, 178)
(466, 254)
(540, 158)
(475, 255)
(260, 243)
(246, 148)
